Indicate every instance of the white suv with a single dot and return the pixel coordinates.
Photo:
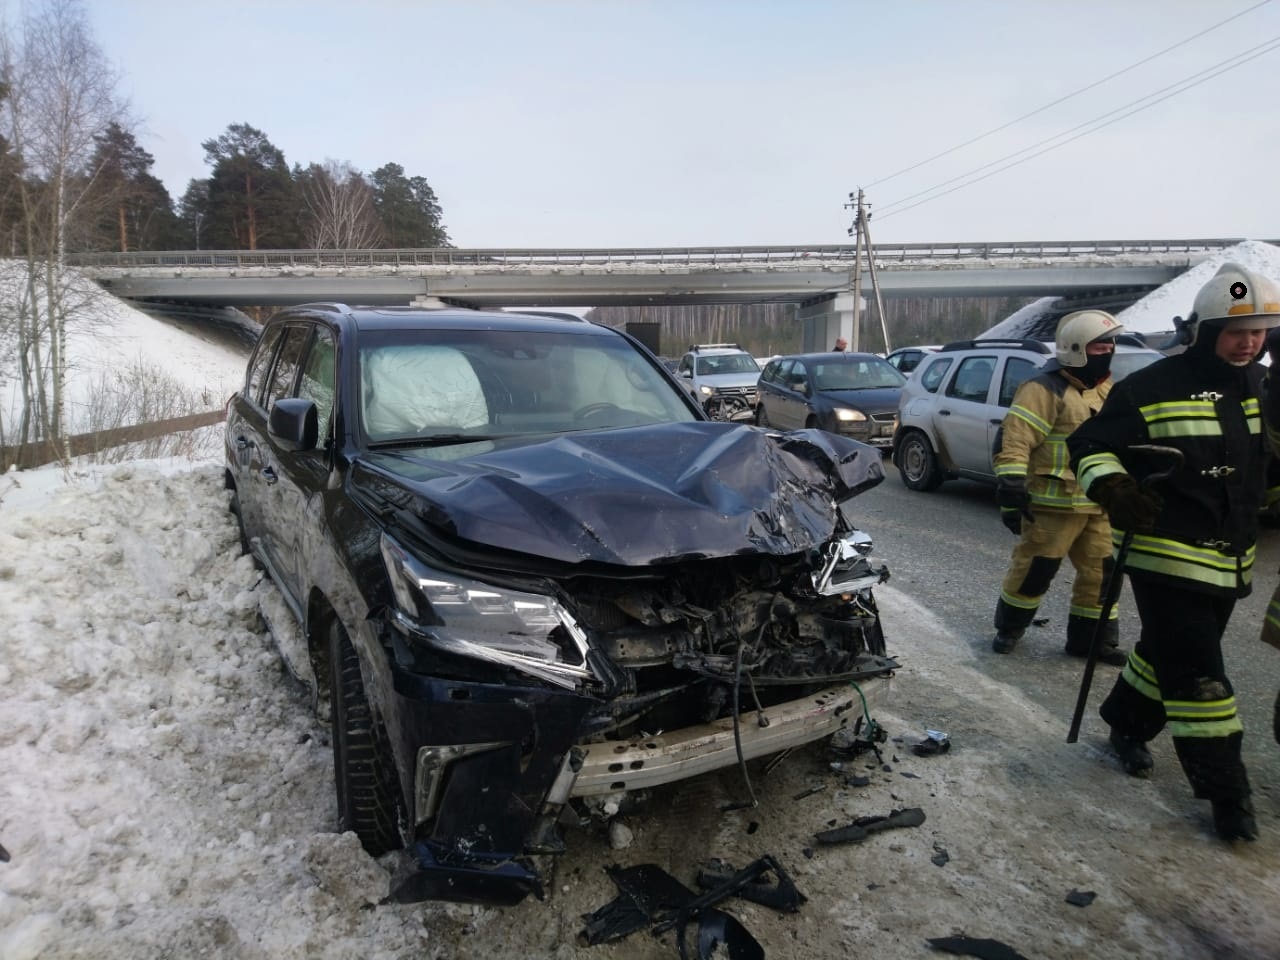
(723, 378)
(955, 401)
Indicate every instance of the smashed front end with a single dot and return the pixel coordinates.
(523, 683)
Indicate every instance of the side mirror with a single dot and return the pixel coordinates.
(294, 423)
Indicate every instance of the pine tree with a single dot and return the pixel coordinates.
(407, 208)
(252, 200)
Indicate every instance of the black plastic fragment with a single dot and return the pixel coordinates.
(720, 934)
(940, 856)
(4, 854)
(974, 947)
(863, 827)
(817, 788)
(1080, 898)
(780, 895)
(644, 892)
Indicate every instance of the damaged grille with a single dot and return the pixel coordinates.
(758, 623)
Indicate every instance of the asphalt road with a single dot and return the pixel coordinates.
(948, 551)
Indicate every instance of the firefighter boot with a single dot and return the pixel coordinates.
(1133, 753)
(1080, 635)
(1233, 819)
(1010, 624)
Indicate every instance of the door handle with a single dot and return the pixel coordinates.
(269, 475)
(996, 421)
(944, 413)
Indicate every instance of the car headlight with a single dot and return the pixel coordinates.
(706, 391)
(528, 631)
(854, 416)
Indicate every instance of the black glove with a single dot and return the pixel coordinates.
(1129, 506)
(1015, 504)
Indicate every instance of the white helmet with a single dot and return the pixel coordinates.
(1077, 330)
(1236, 297)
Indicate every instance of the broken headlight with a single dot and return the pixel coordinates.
(528, 631)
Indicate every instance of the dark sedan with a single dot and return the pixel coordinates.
(853, 394)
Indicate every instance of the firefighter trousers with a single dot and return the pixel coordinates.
(1084, 538)
(1175, 677)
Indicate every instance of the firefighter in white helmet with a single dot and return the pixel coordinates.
(1039, 498)
(1194, 534)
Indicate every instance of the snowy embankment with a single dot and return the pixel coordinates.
(122, 365)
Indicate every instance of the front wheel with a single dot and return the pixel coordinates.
(917, 463)
(363, 768)
(762, 418)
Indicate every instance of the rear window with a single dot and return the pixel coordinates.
(932, 375)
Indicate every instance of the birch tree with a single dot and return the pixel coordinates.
(61, 95)
(339, 207)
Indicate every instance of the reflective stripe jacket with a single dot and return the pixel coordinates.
(1045, 410)
(1204, 537)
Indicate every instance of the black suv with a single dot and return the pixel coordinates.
(529, 573)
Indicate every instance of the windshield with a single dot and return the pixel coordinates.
(863, 374)
(1123, 364)
(451, 385)
(727, 363)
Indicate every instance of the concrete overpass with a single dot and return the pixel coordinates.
(819, 278)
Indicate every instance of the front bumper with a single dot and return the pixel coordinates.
(636, 764)
(493, 765)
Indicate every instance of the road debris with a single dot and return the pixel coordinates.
(863, 827)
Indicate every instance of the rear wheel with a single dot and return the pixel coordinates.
(363, 769)
(917, 463)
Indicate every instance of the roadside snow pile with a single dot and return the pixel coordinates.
(1154, 313)
(166, 790)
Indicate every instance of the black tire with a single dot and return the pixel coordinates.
(917, 463)
(762, 418)
(363, 768)
(235, 508)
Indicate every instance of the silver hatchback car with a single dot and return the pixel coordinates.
(955, 401)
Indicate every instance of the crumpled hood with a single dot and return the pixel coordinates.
(636, 496)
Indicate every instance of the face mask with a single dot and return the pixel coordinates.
(1096, 368)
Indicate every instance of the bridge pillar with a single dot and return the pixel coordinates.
(428, 302)
(824, 319)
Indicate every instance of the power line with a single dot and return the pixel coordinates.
(1256, 51)
(1231, 64)
(1063, 99)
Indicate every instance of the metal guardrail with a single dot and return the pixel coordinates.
(692, 256)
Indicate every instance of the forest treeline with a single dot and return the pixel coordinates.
(765, 329)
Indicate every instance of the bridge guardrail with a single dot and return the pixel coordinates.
(691, 256)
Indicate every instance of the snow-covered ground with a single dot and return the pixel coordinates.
(166, 788)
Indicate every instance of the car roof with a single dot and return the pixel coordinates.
(423, 318)
(828, 356)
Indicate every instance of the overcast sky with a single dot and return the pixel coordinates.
(699, 122)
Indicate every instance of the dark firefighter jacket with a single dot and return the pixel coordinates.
(1033, 447)
(1204, 537)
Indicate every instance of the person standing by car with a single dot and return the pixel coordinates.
(841, 345)
(1039, 498)
(1194, 534)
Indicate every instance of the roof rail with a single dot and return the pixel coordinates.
(695, 347)
(1036, 346)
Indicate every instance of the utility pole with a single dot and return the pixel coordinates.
(861, 229)
(857, 268)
